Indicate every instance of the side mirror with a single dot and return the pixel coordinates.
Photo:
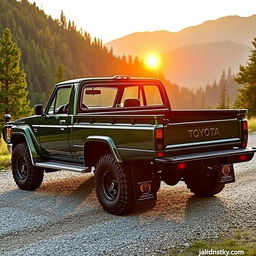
(39, 109)
(7, 118)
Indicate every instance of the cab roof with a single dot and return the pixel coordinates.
(113, 78)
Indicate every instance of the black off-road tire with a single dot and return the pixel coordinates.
(26, 176)
(204, 185)
(114, 186)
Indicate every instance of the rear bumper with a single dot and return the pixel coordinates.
(230, 156)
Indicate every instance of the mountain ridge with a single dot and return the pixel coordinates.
(224, 28)
(232, 34)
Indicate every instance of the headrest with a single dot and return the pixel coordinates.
(131, 103)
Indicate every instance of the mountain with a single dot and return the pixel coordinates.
(240, 30)
(198, 54)
(195, 65)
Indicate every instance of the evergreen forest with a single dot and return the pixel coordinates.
(55, 49)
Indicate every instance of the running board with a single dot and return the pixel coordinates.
(64, 166)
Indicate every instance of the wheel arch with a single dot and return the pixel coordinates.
(25, 136)
(104, 145)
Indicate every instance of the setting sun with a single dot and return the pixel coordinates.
(152, 61)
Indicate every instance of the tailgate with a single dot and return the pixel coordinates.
(188, 135)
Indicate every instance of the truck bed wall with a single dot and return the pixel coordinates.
(181, 115)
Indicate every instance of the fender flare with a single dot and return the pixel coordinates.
(33, 145)
(109, 141)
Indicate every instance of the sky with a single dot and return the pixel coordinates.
(112, 19)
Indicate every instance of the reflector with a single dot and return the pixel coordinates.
(242, 157)
(160, 154)
(182, 166)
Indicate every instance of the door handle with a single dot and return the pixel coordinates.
(62, 121)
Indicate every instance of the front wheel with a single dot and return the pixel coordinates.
(114, 186)
(26, 176)
(204, 184)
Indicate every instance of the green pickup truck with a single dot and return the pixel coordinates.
(124, 130)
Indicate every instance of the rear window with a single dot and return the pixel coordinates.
(132, 92)
(146, 95)
(120, 96)
(98, 97)
(153, 96)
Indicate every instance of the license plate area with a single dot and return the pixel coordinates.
(143, 183)
(226, 173)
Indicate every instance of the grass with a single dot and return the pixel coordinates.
(5, 156)
(252, 124)
(240, 241)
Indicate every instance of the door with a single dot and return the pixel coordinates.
(55, 128)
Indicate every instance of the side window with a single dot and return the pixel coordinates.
(153, 96)
(132, 93)
(59, 104)
(98, 97)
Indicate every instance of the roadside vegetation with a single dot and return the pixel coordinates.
(5, 157)
(252, 124)
(240, 241)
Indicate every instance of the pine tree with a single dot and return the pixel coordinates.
(63, 20)
(224, 97)
(13, 85)
(247, 76)
(203, 103)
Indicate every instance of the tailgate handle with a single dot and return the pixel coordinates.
(62, 121)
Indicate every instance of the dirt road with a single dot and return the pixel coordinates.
(63, 217)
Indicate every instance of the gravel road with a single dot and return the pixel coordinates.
(63, 217)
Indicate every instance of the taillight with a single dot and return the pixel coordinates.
(159, 137)
(244, 133)
(8, 134)
(159, 133)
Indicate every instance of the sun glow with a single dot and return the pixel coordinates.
(152, 61)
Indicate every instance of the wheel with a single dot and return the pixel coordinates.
(114, 186)
(26, 176)
(204, 184)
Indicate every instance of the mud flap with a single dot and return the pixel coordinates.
(144, 183)
(226, 173)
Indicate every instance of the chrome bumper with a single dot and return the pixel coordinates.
(208, 155)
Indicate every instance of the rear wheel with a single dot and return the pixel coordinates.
(113, 186)
(204, 184)
(26, 176)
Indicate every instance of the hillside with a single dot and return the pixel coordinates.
(49, 44)
(195, 65)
